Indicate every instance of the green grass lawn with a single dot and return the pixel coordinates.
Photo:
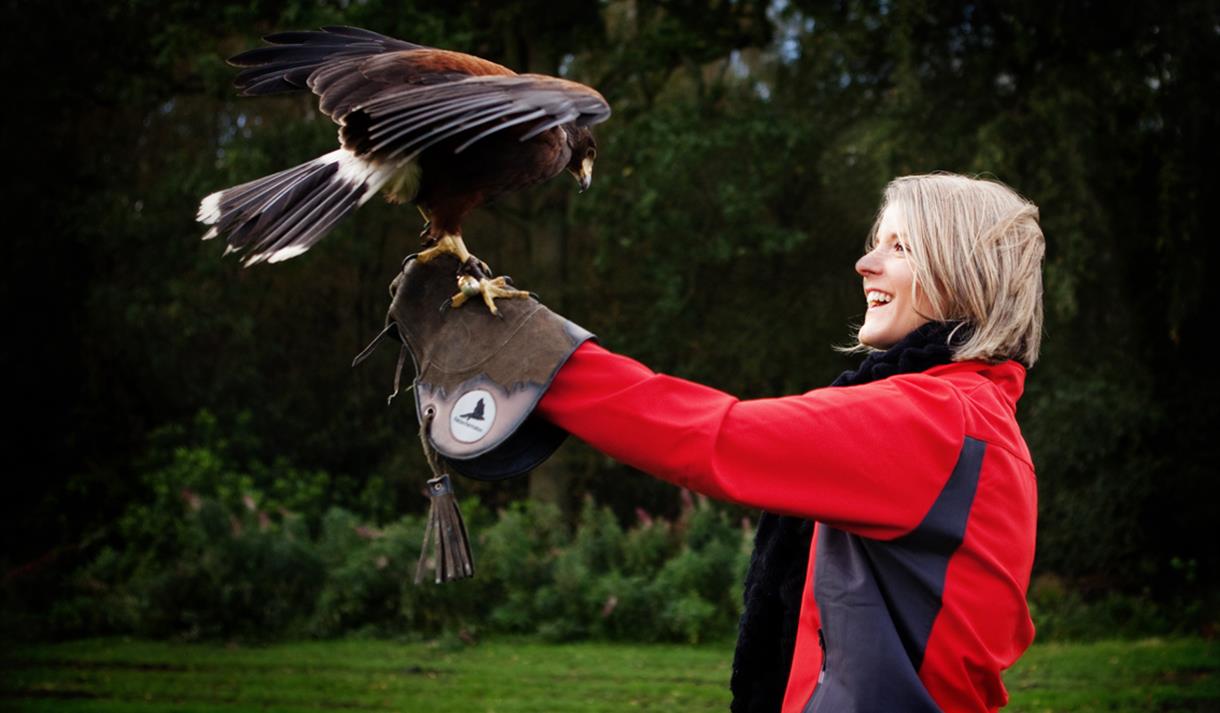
(503, 675)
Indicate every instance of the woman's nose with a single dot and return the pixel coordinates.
(868, 264)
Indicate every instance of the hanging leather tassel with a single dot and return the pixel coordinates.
(445, 531)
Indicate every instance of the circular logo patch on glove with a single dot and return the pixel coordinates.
(472, 416)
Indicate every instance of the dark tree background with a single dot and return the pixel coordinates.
(734, 187)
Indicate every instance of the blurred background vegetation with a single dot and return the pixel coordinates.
(190, 455)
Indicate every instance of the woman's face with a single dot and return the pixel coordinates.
(892, 312)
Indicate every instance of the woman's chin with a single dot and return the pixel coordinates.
(870, 338)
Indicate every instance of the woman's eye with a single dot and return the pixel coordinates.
(899, 247)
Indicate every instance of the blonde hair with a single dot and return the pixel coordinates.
(975, 249)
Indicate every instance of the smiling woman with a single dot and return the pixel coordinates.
(950, 248)
(893, 555)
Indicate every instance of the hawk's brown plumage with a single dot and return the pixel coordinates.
(445, 130)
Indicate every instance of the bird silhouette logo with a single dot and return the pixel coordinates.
(473, 416)
(476, 414)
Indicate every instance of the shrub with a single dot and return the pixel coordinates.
(518, 554)
(235, 575)
(221, 551)
(1062, 610)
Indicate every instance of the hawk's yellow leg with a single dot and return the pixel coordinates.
(451, 244)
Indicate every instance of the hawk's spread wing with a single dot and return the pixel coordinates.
(394, 99)
(403, 121)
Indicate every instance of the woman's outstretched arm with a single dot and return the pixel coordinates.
(869, 459)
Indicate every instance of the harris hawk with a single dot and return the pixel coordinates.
(444, 130)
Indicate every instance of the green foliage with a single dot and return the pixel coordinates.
(646, 547)
(1062, 611)
(681, 585)
(654, 582)
(236, 576)
(220, 544)
(1103, 474)
(519, 554)
(367, 570)
(237, 571)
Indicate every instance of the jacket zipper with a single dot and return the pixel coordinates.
(822, 643)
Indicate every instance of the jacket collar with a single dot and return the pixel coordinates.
(1009, 376)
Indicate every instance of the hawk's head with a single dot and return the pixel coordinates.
(584, 152)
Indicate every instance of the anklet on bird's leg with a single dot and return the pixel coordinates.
(490, 289)
(474, 278)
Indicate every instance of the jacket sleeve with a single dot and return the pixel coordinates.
(869, 459)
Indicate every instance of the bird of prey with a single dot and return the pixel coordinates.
(444, 130)
(476, 414)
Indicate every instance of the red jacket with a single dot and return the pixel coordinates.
(924, 494)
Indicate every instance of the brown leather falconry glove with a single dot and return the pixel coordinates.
(478, 376)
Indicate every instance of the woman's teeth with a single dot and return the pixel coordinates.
(876, 299)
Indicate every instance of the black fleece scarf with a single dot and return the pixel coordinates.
(766, 635)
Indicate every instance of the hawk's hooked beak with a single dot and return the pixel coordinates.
(585, 177)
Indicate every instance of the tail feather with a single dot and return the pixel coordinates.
(315, 225)
(280, 216)
(298, 214)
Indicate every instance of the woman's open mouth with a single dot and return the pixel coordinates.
(876, 298)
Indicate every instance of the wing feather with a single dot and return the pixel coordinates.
(548, 125)
(404, 120)
(500, 127)
(294, 56)
(477, 114)
(416, 149)
(427, 112)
